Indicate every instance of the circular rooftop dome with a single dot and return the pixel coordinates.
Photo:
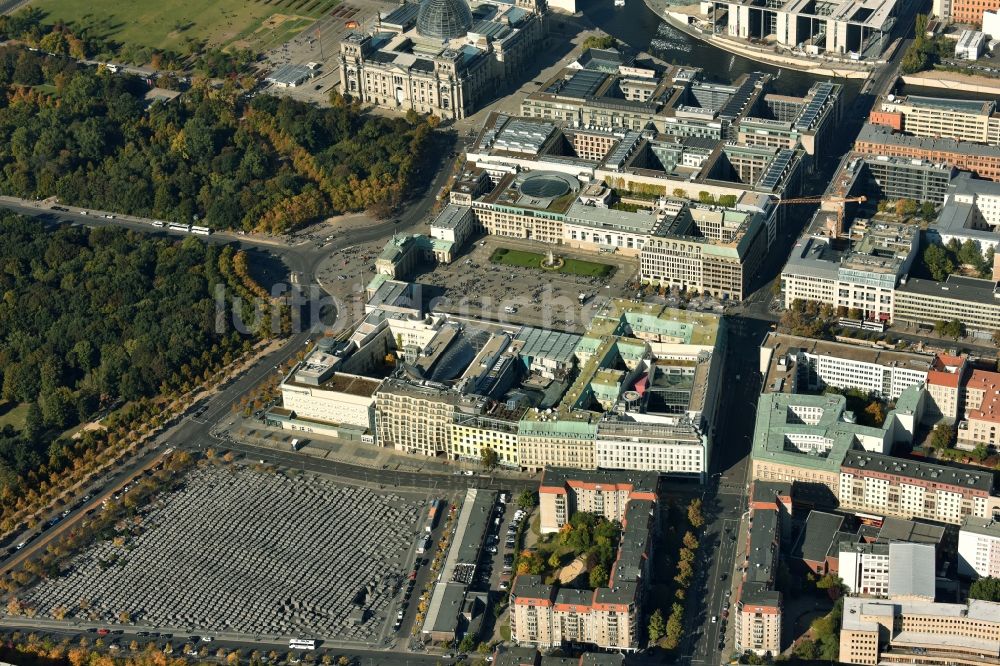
(545, 186)
(444, 19)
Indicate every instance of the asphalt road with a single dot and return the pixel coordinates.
(124, 636)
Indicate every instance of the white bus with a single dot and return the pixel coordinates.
(302, 644)
(180, 227)
(204, 231)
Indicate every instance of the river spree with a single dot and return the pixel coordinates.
(636, 25)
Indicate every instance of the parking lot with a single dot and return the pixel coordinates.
(248, 550)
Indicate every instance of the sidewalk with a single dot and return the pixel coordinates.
(359, 453)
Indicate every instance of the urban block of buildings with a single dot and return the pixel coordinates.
(872, 277)
(442, 57)
(676, 102)
(813, 442)
(971, 212)
(638, 391)
(549, 616)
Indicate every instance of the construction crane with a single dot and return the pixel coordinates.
(839, 210)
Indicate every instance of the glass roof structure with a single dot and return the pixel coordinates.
(444, 19)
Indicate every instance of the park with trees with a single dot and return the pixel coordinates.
(210, 156)
(101, 323)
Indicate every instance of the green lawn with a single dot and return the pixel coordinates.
(168, 25)
(524, 259)
(13, 414)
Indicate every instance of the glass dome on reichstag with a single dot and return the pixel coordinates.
(444, 19)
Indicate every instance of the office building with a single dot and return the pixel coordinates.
(973, 302)
(804, 439)
(708, 249)
(979, 547)
(794, 364)
(971, 212)
(862, 278)
(933, 117)
(549, 616)
(888, 570)
(882, 485)
(531, 178)
(981, 159)
(442, 57)
(907, 178)
(857, 27)
(919, 632)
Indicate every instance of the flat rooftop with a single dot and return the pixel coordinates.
(945, 104)
(956, 287)
(878, 134)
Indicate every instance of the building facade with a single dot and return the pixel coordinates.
(887, 486)
(441, 57)
(979, 547)
(962, 120)
(981, 159)
(936, 634)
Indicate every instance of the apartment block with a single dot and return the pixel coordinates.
(563, 492)
(908, 178)
(759, 607)
(982, 410)
(886, 486)
(550, 616)
(944, 387)
(919, 632)
(979, 547)
(971, 212)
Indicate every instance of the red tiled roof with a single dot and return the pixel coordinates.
(989, 410)
(940, 378)
(984, 381)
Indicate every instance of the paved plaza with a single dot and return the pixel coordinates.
(249, 551)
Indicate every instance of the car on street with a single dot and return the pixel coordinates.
(714, 619)
(103, 632)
